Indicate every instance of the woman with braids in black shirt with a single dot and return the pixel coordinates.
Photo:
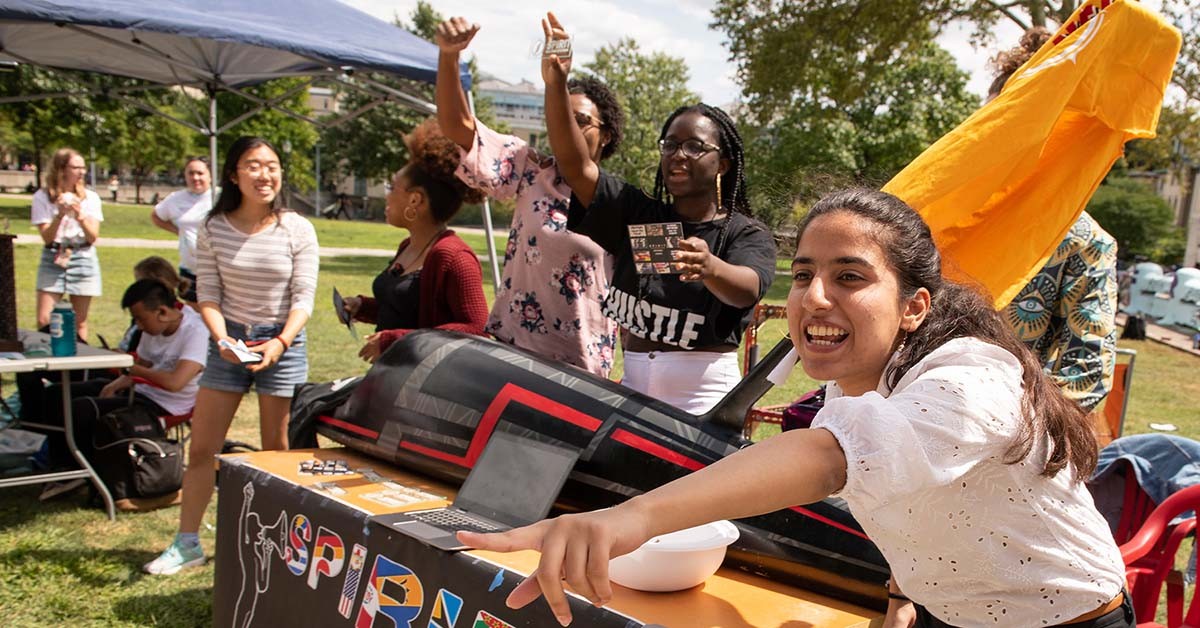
(680, 332)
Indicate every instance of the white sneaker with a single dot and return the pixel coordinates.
(174, 558)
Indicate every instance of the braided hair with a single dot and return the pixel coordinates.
(733, 182)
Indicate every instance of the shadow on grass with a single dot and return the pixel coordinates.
(20, 505)
(93, 567)
(189, 607)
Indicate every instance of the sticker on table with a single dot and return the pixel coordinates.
(394, 591)
(358, 558)
(446, 609)
(487, 620)
(401, 496)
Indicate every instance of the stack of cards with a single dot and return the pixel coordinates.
(653, 245)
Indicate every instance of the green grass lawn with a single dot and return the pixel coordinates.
(63, 563)
(133, 221)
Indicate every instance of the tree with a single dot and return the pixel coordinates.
(837, 49)
(1185, 15)
(45, 124)
(649, 87)
(822, 144)
(1142, 223)
(145, 143)
(371, 146)
(281, 130)
(1177, 141)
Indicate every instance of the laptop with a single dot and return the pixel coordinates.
(514, 483)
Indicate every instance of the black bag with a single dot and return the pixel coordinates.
(1135, 328)
(133, 455)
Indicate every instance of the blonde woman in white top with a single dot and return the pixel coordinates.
(960, 459)
(257, 272)
(68, 217)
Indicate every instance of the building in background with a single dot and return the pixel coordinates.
(519, 105)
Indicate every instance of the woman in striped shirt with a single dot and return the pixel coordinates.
(257, 273)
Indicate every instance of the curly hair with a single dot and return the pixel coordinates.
(1007, 62)
(612, 117)
(433, 160)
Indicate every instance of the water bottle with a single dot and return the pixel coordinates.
(62, 329)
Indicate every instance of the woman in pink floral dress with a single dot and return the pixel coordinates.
(553, 280)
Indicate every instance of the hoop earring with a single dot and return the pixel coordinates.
(413, 216)
(718, 192)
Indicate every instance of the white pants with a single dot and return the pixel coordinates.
(693, 381)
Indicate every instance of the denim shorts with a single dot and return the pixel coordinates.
(81, 277)
(280, 380)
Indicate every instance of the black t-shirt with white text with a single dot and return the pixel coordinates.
(663, 308)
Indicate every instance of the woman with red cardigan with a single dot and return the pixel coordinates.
(434, 281)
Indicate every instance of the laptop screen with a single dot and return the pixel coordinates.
(516, 480)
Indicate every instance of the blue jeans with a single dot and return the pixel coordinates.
(279, 380)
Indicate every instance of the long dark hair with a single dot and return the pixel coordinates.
(231, 197)
(733, 182)
(958, 311)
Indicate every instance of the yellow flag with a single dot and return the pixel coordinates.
(1002, 190)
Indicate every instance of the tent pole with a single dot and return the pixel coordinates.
(487, 219)
(212, 143)
(92, 165)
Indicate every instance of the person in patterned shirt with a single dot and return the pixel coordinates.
(1067, 313)
(553, 280)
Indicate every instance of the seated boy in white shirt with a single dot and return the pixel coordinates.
(170, 356)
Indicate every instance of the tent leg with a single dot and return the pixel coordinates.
(487, 221)
(212, 144)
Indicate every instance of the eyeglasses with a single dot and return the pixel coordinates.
(255, 168)
(692, 149)
(583, 120)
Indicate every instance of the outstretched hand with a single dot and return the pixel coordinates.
(554, 70)
(575, 549)
(455, 34)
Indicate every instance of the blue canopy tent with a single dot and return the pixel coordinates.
(222, 45)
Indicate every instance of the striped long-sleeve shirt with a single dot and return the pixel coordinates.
(258, 278)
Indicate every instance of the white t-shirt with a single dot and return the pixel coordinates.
(975, 541)
(189, 342)
(186, 211)
(69, 229)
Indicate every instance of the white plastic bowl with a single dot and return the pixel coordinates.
(676, 561)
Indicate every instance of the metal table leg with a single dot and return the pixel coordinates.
(69, 424)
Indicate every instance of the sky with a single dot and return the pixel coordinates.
(511, 31)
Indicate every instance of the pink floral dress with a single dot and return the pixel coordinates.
(553, 280)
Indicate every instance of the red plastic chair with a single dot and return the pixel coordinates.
(1150, 562)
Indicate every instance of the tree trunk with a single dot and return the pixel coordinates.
(1037, 13)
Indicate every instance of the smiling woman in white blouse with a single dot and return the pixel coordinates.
(960, 459)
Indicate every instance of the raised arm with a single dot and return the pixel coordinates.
(454, 113)
(566, 139)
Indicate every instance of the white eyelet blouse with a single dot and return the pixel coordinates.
(975, 541)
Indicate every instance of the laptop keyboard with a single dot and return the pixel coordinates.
(454, 520)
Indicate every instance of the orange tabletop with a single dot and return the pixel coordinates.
(729, 599)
